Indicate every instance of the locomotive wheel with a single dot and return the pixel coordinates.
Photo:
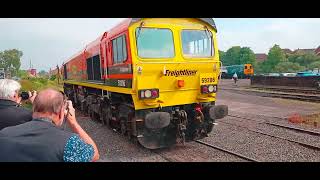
(209, 127)
(106, 115)
(84, 108)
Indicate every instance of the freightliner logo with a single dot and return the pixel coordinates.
(185, 72)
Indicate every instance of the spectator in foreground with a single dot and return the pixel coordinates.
(11, 113)
(43, 139)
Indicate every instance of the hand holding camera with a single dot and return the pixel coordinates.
(70, 113)
(28, 95)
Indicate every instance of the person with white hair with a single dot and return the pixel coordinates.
(11, 112)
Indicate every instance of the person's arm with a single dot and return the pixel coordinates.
(76, 128)
(32, 96)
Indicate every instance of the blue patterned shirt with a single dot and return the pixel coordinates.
(76, 150)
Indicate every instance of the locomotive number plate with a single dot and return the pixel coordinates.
(122, 83)
(207, 78)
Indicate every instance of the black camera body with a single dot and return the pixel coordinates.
(24, 95)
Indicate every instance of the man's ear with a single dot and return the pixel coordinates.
(17, 98)
(61, 114)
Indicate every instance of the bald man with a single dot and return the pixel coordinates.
(43, 140)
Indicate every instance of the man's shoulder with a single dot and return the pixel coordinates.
(16, 108)
(35, 127)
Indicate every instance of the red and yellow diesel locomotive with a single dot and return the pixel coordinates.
(153, 79)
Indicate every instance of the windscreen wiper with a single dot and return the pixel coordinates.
(208, 32)
(139, 30)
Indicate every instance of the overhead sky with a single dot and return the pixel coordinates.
(48, 42)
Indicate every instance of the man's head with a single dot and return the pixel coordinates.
(49, 103)
(9, 89)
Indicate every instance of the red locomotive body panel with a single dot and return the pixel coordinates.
(102, 46)
(75, 69)
(93, 48)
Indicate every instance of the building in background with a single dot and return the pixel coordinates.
(260, 57)
(32, 72)
(317, 51)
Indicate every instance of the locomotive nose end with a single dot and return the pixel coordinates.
(218, 111)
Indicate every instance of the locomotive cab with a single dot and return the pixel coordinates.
(176, 69)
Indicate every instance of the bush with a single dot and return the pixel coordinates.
(53, 77)
(288, 67)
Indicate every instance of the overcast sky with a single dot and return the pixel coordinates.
(48, 42)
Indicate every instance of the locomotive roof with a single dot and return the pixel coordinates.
(93, 47)
(208, 21)
(127, 22)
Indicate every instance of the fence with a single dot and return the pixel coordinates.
(310, 82)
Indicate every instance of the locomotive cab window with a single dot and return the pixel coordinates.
(197, 43)
(155, 43)
(119, 50)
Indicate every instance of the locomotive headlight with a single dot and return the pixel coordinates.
(205, 89)
(149, 93)
(210, 88)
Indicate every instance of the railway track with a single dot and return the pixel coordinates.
(299, 129)
(316, 133)
(227, 151)
(288, 89)
(278, 94)
(311, 146)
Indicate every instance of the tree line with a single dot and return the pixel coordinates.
(277, 60)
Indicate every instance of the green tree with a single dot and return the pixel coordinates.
(247, 56)
(305, 59)
(288, 67)
(42, 73)
(22, 74)
(10, 60)
(232, 56)
(258, 68)
(293, 57)
(275, 56)
(222, 56)
(53, 77)
(314, 65)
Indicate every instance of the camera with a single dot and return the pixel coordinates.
(24, 95)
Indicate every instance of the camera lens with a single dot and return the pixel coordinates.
(24, 95)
